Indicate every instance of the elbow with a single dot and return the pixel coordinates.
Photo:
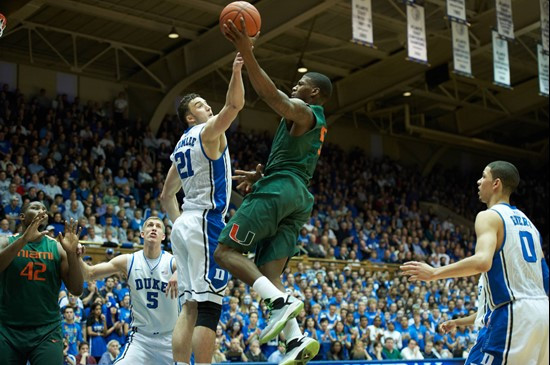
(484, 266)
(164, 199)
(77, 291)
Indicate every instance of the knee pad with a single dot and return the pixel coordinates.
(208, 315)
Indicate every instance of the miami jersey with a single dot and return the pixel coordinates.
(206, 183)
(517, 268)
(152, 312)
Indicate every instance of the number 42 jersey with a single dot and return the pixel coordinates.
(206, 183)
(517, 269)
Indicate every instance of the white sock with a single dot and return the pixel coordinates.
(181, 363)
(292, 330)
(266, 289)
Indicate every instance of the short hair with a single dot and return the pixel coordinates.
(157, 218)
(507, 173)
(183, 107)
(322, 82)
(82, 344)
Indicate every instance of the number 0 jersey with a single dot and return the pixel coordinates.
(29, 286)
(206, 183)
(517, 269)
(152, 312)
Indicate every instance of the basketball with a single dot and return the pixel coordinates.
(238, 9)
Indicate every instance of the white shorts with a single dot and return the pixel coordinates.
(194, 240)
(146, 349)
(517, 333)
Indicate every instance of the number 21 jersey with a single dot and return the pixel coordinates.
(206, 183)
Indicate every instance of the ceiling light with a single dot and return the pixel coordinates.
(173, 34)
(407, 93)
(301, 68)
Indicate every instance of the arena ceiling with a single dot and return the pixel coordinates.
(126, 41)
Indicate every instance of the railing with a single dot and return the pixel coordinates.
(97, 252)
(371, 362)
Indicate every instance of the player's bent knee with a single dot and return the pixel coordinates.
(219, 254)
(208, 315)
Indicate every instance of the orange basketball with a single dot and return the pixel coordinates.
(238, 9)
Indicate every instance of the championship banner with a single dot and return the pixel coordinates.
(544, 17)
(416, 34)
(461, 49)
(456, 10)
(361, 19)
(543, 71)
(501, 64)
(505, 22)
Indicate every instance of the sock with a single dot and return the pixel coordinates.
(292, 330)
(181, 363)
(266, 289)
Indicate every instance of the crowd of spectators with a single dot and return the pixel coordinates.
(90, 163)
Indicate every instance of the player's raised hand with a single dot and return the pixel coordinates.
(172, 287)
(238, 62)
(417, 271)
(32, 234)
(247, 178)
(447, 326)
(240, 39)
(70, 240)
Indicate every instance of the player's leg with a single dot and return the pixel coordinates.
(272, 259)
(255, 220)
(9, 348)
(137, 350)
(183, 332)
(204, 336)
(49, 351)
(186, 235)
(528, 338)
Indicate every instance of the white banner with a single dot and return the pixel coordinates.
(505, 22)
(544, 17)
(543, 71)
(501, 64)
(456, 10)
(361, 20)
(416, 34)
(461, 49)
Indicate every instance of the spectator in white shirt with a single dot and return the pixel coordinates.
(412, 351)
(392, 333)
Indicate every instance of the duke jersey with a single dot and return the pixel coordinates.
(210, 185)
(516, 272)
(483, 311)
(152, 312)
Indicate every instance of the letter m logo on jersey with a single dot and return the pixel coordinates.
(248, 239)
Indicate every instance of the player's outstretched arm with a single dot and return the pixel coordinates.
(168, 197)
(70, 269)
(117, 265)
(9, 252)
(486, 226)
(292, 109)
(234, 102)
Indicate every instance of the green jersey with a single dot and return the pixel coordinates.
(29, 286)
(298, 155)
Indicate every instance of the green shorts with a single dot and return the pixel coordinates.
(39, 345)
(270, 218)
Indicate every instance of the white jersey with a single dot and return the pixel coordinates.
(152, 312)
(483, 311)
(516, 272)
(206, 183)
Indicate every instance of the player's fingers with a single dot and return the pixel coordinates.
(243, 25)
